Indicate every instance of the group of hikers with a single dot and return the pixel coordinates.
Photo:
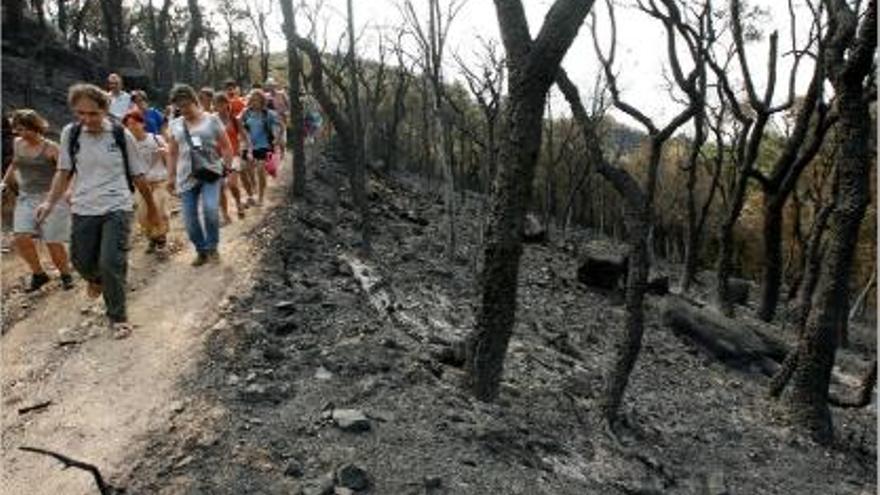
(122, 160)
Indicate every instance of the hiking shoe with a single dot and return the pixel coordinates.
(37, 280)
(200, 260)
(213, 257)
(151, 247)
(66, 281)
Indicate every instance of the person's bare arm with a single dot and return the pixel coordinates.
(60, 183)
(173, 155)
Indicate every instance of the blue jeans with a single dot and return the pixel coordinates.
(204, 237)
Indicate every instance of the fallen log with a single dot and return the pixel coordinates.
(739, 344)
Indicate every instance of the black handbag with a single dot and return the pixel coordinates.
(203, 167)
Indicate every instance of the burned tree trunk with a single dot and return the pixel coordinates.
(196, 32)
(114, 30)
(848, 63)
(295, 133)
(533, 66)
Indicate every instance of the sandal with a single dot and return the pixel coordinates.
(122, 330)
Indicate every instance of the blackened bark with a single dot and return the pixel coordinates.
(358, 172)
(533, 66)
(13, 16)
(196, 32)
(807, 398)
(114, 30)
(772, 269)
(295, 133)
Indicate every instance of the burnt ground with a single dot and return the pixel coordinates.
(306, 340)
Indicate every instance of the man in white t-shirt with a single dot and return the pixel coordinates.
(120, 101)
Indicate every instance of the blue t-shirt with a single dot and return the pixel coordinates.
(153, 120)
(256, 125)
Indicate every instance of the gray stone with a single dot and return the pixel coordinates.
(352, 420)
(320, 486)
(353, 477)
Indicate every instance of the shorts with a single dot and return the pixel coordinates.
(55, 228)
(261, 154)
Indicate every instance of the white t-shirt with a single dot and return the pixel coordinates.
(100, 185)
(149, 148)
(206, 133)
(120, 104)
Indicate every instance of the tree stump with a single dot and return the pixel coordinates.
(602, 271)
(534, 231)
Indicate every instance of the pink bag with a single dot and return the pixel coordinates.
(272, 164)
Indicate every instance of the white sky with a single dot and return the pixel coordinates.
(641, 51)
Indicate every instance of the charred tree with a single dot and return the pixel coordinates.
(195, 34)
(533, 65)
(114, 31)
(849, 64)
(638, 199)
(295, 132)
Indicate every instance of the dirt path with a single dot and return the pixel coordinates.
(108, 395)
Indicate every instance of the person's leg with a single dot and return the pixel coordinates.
(247, 180)
(85, 248)
(190, 206)
(261, 178)
(27, 250)
(232, 184)
(58, 253)
(210, 213)
(224, 206)
(113, 262)
(162, 198)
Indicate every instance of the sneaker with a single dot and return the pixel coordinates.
(37, 280)
(240, 214)
(66, 281)
(151, 247)
(200, 260)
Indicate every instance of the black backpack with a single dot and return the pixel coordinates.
(118, 137)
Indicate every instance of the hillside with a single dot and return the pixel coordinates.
(325, 335)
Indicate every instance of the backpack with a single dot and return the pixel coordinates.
(118, 137)
(266, 126)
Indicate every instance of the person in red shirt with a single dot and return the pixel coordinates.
(235, 132)
(237, 105)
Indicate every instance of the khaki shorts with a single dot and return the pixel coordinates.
(162, 198)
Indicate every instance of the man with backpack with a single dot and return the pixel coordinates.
(108, 167)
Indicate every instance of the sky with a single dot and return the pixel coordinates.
(641, 51)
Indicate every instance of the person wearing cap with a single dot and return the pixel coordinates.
(154, 151)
